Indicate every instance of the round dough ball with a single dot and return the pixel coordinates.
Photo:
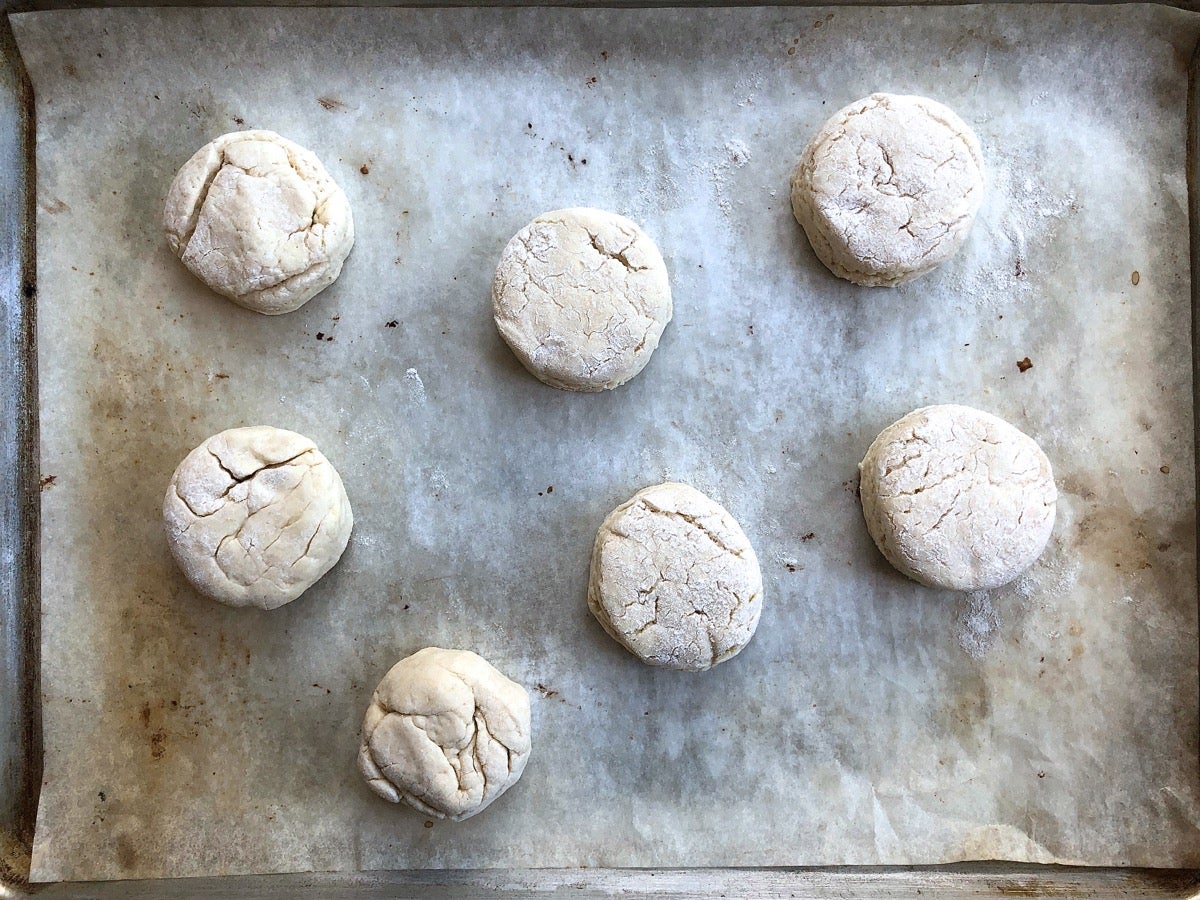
(259, 220)
(446, 733)
(957, 498)
(255, 516)
(581, 296)
(888, 188)
(674, 579)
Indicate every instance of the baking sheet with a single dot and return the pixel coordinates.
(871, 720)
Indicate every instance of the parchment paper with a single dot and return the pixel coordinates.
(871, 720)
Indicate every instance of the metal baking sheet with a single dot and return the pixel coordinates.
(871, 721)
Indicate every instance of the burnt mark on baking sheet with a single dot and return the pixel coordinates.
(1024, 365)
(333, 104)
(364, 169)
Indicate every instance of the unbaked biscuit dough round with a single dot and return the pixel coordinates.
(258, 219)
(888, 188)
(255, 516)
(446, 733)
(674, 579)
(582, 298)
(957, 498)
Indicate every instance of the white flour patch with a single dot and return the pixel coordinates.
(415, 387)
(789, 562)
(733, 155)
(658, 189)
(977, 625)
(746, 88)
(438, 482)
(1020, 215)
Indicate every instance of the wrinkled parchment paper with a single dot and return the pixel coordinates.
(871, 720)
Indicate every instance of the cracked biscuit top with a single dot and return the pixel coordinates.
(957, 498)
(674, 579)
(446, 733)
(888, 188)
(258, 219)
(581, 296)
(255, 516)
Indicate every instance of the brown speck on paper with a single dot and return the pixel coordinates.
(1024, 365)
